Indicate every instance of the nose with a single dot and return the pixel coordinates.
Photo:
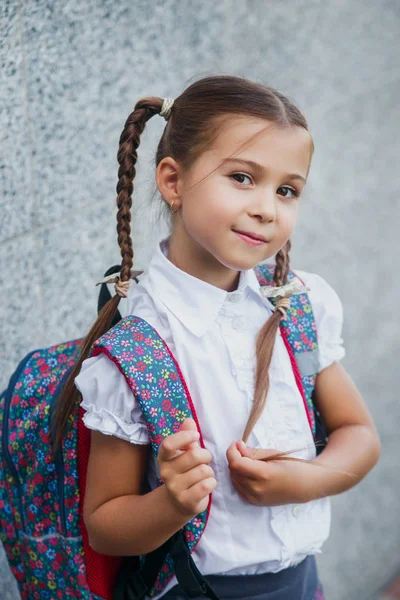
(263, 207)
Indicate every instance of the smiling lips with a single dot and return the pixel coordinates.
(253, 239)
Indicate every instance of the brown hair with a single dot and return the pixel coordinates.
(190, 129)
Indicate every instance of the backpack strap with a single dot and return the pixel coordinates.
(299, 333)
(156, 380)
(134, 584)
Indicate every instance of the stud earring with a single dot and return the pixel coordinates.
(171, 206)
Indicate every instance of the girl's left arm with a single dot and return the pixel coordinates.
(353, 446)
(353, 449)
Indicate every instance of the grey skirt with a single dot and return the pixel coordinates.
(294, 583)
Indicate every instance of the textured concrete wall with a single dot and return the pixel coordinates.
(71, 73)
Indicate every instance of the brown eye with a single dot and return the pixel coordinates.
(287, 191)
(241, 178)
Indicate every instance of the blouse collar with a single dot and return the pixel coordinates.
(192, 301)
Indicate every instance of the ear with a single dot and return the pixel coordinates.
(169, 181)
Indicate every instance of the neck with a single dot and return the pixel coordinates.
(193, 259)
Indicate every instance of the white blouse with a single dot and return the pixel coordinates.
(212, 335)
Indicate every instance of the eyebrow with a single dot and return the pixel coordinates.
(259, 168)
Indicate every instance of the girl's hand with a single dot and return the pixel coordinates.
(185, 470)
(268, 483)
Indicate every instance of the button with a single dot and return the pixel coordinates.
(296, 510)
(233, 297)
(237, 323)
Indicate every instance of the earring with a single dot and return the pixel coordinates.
(171, 206)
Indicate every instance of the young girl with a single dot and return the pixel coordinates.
(231, 165)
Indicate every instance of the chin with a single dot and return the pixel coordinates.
(241, 263)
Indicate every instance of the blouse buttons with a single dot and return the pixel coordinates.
(233, 297)
(296, 510)
(237, 323)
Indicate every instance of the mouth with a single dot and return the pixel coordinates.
(253, 239)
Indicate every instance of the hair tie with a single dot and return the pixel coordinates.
(283, 292)
(166, 108)
(283, 305)
(295, 286)
(121, 287)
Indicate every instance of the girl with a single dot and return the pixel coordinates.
(232, 163)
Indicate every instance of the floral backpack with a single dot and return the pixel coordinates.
(41, 496)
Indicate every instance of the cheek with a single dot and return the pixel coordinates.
(287, 219)
(222, 214)
(209, 207)
(196, 213)
(224, 204)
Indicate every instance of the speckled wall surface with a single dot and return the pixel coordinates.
(71, 73)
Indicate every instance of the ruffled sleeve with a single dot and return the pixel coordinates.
(110, 407)
(328, 313)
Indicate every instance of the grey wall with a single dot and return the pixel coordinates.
(71, 73)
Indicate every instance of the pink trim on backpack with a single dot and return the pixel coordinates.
(296, 373)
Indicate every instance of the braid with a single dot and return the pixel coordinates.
(127, 157)
(265, 345)
(282, 264)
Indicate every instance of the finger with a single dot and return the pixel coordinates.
(190, 459)
(201, 489)
(171, 445)
(256, 453)
(245, 450)
(247, 467)
(233, 454)
(236, 462)
(190, 425)
(199, 473)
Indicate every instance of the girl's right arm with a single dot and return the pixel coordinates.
(122, 522)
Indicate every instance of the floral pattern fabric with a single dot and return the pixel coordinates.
(39, 499)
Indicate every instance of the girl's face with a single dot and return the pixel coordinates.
(238, 212)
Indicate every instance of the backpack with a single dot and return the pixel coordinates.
(41, 496)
